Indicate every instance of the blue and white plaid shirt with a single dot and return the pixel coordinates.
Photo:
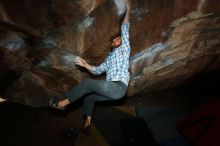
(117, 62)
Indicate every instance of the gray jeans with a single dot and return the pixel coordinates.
(96, 90)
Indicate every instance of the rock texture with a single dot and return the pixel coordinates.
(172, 42)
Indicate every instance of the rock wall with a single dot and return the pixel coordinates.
(172, 42)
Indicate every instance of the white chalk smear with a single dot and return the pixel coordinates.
(12, 42)
(85, 23)
(43, 63)
(149, 54)
(121, 6)
(68, 60)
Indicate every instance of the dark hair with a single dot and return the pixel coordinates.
(115, 36)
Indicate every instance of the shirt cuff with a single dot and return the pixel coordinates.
(93, 69)
(125, 26)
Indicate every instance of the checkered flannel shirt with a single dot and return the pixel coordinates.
(117, 62)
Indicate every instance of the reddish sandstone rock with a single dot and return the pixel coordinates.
(172, 42)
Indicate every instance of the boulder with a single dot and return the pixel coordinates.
(172, 42)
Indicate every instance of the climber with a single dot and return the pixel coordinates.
(117, 76)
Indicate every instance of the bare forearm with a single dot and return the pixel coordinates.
(88, 66)
(126, 17)
(127, 14)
